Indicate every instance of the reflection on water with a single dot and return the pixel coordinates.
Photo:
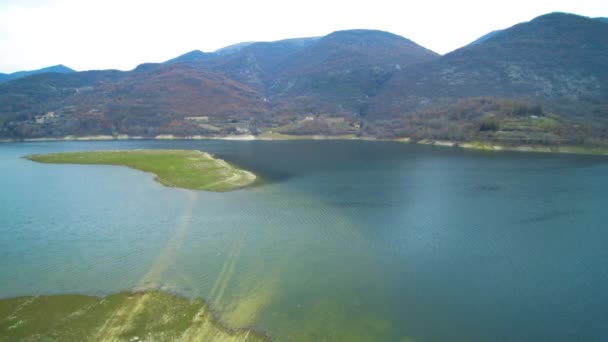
(341, 241)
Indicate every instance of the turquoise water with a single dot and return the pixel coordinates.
(341, 240)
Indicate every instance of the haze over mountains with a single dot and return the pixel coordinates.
(544, 81)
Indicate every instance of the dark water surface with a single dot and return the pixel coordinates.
(341, 240)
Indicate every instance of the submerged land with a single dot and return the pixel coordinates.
(125, 316)
(188, 169)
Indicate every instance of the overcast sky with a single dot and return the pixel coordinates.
(120, 34)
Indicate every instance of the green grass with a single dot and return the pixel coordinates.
(186, 169)
(125, 316)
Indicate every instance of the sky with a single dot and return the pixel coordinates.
(120, 34)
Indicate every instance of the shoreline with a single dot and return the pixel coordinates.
(118, 316)
(470, 145)
(249, 137)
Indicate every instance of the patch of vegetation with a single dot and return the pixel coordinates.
(493, 120)
(319, 125)
(187, 169)
(125, 316)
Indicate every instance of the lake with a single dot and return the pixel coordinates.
(339, 240)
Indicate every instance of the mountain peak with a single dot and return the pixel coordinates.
(558, 18)
(233, 48)
(552, 29)
(194, 56)
(357, 36)
(59, 68)
(361, 33)
(556, 59)
(558, 15)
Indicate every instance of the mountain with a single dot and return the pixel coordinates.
(539, 82)
(559, 60)
(340, 72)
(255, 64)
(556, 64)
(485, 37)
(192, 57)
(232, 48)
(146, 101)
(175, 99)
(20, 74)
(605, 20)
(335, 74)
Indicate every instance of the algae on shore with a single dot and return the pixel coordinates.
(125, 316)
(189, 169)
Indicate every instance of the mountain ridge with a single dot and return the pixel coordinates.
(364, 82)
(59, 68)
(507, 63)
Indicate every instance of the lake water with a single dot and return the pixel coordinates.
(340, 241)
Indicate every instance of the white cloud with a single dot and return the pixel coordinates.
(121, 34)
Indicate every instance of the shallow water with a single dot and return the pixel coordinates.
(340, 240)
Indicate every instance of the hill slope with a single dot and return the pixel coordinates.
(544, 81)
(340, 72)
(255, 64)
(239, 89)
(146, 101)
(560, 60)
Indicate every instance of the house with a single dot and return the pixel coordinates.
(40, 119)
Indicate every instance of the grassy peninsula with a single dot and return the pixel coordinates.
(188, 169)
(125, 316)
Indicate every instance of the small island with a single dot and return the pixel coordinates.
(187, 169)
